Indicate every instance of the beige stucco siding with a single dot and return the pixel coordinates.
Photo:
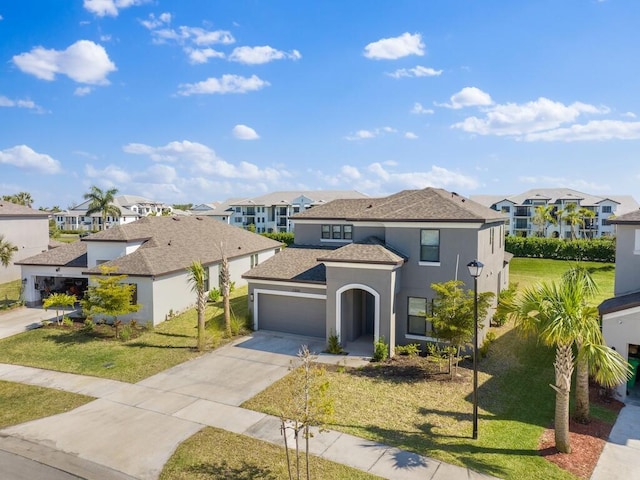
(30, 235)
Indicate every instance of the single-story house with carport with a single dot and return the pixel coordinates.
(362, 269)
(154, 252)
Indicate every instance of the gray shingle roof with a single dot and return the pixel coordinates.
(169, 244)
(430, 204)
(621, 302)
(68, 255)
(296, 264)
(631, 218)
(9, 209)
(372, 250)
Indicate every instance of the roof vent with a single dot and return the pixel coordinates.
(198, 218)
(370, 205)
(177, 219)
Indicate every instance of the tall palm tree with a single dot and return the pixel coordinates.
(225, 286)
(7, 249)
(586, 214)
(572, 217)
(557, 312)
(543, 217)
(197, 277)
(102, 202)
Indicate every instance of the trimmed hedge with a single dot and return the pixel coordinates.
(595, 250)
(284, 237)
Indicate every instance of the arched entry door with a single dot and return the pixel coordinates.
(358, 312)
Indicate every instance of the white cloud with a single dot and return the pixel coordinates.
(565, 182)
(593, 130)
(365, 134)
(261, 54)
(226, 84)
(242, 132)
(105, 38)
(629, 115)
(410, 135)
(83, 62)
(110, 8)
(418, 109)
(202, 160)
(111, 175)
(154, 22)
(520, 119)
(29, 104)
(82, 91)
(22, 156)
(468, 97)
(396, 47)
(350, 172)
(417, 71)
(438, 177)
(201, 55)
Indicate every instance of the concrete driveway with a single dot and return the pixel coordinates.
(134, 429)
(22, 319)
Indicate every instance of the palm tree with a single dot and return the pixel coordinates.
(585, 214)
(102, 202)
(542, 217)
(197, 278)
(7, 249)
(225, 286)
(572, 217)
(559, 315)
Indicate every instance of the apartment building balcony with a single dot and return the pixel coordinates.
(282, 222)
(522, 212)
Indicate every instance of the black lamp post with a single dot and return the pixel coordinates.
(475, 269)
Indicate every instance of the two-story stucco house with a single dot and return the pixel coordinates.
(25, 228)
(154, 252)
(362, 268)
(621, 314)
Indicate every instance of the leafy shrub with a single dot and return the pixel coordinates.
(67, 322)
(411, 350)
(488, 340)
(88, 326)
(380, 350)
(126, 333)
(214, 295)
(594, 250)
(333, 345)
(504, 297)
(283, 237)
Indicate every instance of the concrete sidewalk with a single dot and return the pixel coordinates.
(619, 458)
(132, 430)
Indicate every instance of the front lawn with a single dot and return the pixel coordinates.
(22, 403)
(9, 293)
(71, 350)
(215, 454)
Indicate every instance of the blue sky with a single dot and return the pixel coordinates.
(200, 100)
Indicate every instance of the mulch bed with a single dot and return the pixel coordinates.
(587, 441)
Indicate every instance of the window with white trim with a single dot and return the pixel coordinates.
(606, 209)
(337, 232)
(430, 245)
(417, 323)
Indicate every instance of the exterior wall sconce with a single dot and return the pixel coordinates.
(251, 297)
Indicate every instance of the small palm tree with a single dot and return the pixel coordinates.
(586, 214)
(7, 249)
(197, 278)
(559, 315)
(543, 217)
(21, 198)
(102, 202)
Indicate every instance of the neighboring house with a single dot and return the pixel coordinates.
(272, 212)
(25, 228)
(621, 314)
(154, 252)
(362, 268)
(521, 210)
(222, 211)
(132, 208)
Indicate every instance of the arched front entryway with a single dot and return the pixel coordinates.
(357, 313)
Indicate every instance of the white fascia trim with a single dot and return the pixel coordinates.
(421, 224)
(621, 313)
(429, 264)
(286, 284)
(261, 291)
(364, 266)
(331, 240)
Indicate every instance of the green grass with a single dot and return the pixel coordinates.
(22, 403)
(9, 292)
(528, 271)
(169, 344)
(214, 454)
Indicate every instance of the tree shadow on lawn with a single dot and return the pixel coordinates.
(222, 471)
(73, 337)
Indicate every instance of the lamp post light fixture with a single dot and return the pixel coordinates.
(475, 269)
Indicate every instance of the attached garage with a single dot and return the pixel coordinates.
(291, 312)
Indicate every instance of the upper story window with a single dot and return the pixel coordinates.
(505, 209)
(238, 209)
(606, 209)
(429, 245)
(337, 232)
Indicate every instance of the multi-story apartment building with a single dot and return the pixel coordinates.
(521, 212)
(132, 208)
(271, 212)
